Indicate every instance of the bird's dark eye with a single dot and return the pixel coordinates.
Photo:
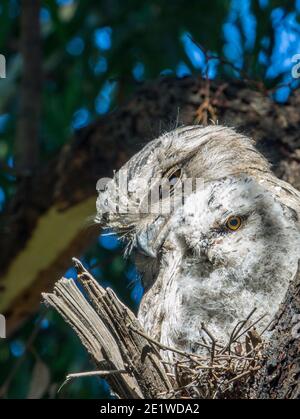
(174, 177)
(234, 223)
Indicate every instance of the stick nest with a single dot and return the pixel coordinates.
(223, 371)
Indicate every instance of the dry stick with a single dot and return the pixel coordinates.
(244, 323)
(212, 367)
(216, 369)
(251, 326)
(244, 374)
(231, 339)
(206, 346)
(246, 363)
(218, 388)
(234, 356)
(69, 377)
(223, 369)
(237, 330)
(93, 373)
(177, 375)
(172, 392)
(267, 327)
(256, 349)
(213, 342)
(203, 345)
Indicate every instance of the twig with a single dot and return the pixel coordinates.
(251, 326)
(165, 347)
(93, 373)
(237, 330)
(213, 340)
(70, 377)
(244, 374)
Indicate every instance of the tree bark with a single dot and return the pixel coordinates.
(44, 224)
(105, 327)
(280, 376)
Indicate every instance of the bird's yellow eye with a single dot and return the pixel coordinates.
(234, 223)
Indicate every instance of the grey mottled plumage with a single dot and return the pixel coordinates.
(194, 268)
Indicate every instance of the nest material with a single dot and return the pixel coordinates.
(225, 371)
(131, 360)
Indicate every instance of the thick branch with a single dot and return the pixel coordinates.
(104, 324)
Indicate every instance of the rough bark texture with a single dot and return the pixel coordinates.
(97, 150)
(280, 375)
(104, 326)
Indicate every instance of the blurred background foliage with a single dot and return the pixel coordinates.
(95, 52)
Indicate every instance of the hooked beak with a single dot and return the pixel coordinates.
(143, 245)
(150, 240)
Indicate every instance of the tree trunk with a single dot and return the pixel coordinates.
(44, 224)
(280, 376)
